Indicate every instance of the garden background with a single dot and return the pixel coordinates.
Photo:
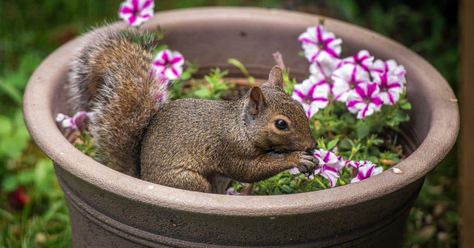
(32, 209)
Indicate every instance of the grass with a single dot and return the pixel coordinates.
(32, 208)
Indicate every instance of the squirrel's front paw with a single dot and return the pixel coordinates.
(306, 162)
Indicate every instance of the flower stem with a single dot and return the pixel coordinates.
(320, 183)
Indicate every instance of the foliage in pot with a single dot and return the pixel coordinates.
(372, 90)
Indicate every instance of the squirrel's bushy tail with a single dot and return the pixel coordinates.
(111, 77)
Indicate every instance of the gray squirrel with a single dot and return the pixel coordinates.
(186, 143)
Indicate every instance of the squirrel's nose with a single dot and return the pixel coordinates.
(310, 146)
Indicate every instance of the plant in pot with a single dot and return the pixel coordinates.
(108, 207)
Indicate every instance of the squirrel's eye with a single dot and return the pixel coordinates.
(281, 124)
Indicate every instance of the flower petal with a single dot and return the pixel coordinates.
(168, 65)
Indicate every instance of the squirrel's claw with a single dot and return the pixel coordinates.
(307, 163)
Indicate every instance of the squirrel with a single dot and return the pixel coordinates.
(185, 143)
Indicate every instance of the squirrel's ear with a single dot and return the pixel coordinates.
(256, 101)
(276, 77)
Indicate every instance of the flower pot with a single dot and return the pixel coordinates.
(110, 209)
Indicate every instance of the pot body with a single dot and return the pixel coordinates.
(102, 219)
(109, 209)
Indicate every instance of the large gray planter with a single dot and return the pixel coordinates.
(109, 209)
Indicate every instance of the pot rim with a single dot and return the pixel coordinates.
(443, 130)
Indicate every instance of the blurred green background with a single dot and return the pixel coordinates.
(32, 208)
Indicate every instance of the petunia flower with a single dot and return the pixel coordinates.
(325, 68)
(356, 164)
(345, 80)
(294, 171)
(391, 80)
(75, 121)
(313, 94)
(136, 12)
(168, 65)
(232, 191)
(391, 67)
(320, 45)
(362, 60)
(365, 169)
(365, 101)
(329, 165)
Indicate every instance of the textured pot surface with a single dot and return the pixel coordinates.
(110, 209)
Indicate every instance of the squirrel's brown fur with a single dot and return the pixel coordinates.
(111, 77)
(188, 142)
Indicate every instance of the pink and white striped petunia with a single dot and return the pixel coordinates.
(391, 79)
(362, 60)
(391, 67)
(313, 94)
(356, 164)
(168, 65)
(329, 166)
(320, 45)
(232, 191)
(365, 101)
(365, 169)
(345, 80)
(136, 12)
(75, 121)
(294, 171)
(325, 68)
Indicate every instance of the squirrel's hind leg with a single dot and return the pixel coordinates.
(186, 179)
(220, 184)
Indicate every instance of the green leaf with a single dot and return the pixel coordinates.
(10, 183)
(405, 105)
(5, 215)
(221, 87)
(288, 85)
(332, 143)
(161, 48)
(345, 144)
(348, 118)
(191, 68)
(214, 86)
(203, 93)
(286, 189)
(53, 210)
(283, 181)
(43, 172)
(10, 91)
(26, 176)
(16, 141)
(321, 143)
(5, 126)
(362, 130)
(242, 69)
